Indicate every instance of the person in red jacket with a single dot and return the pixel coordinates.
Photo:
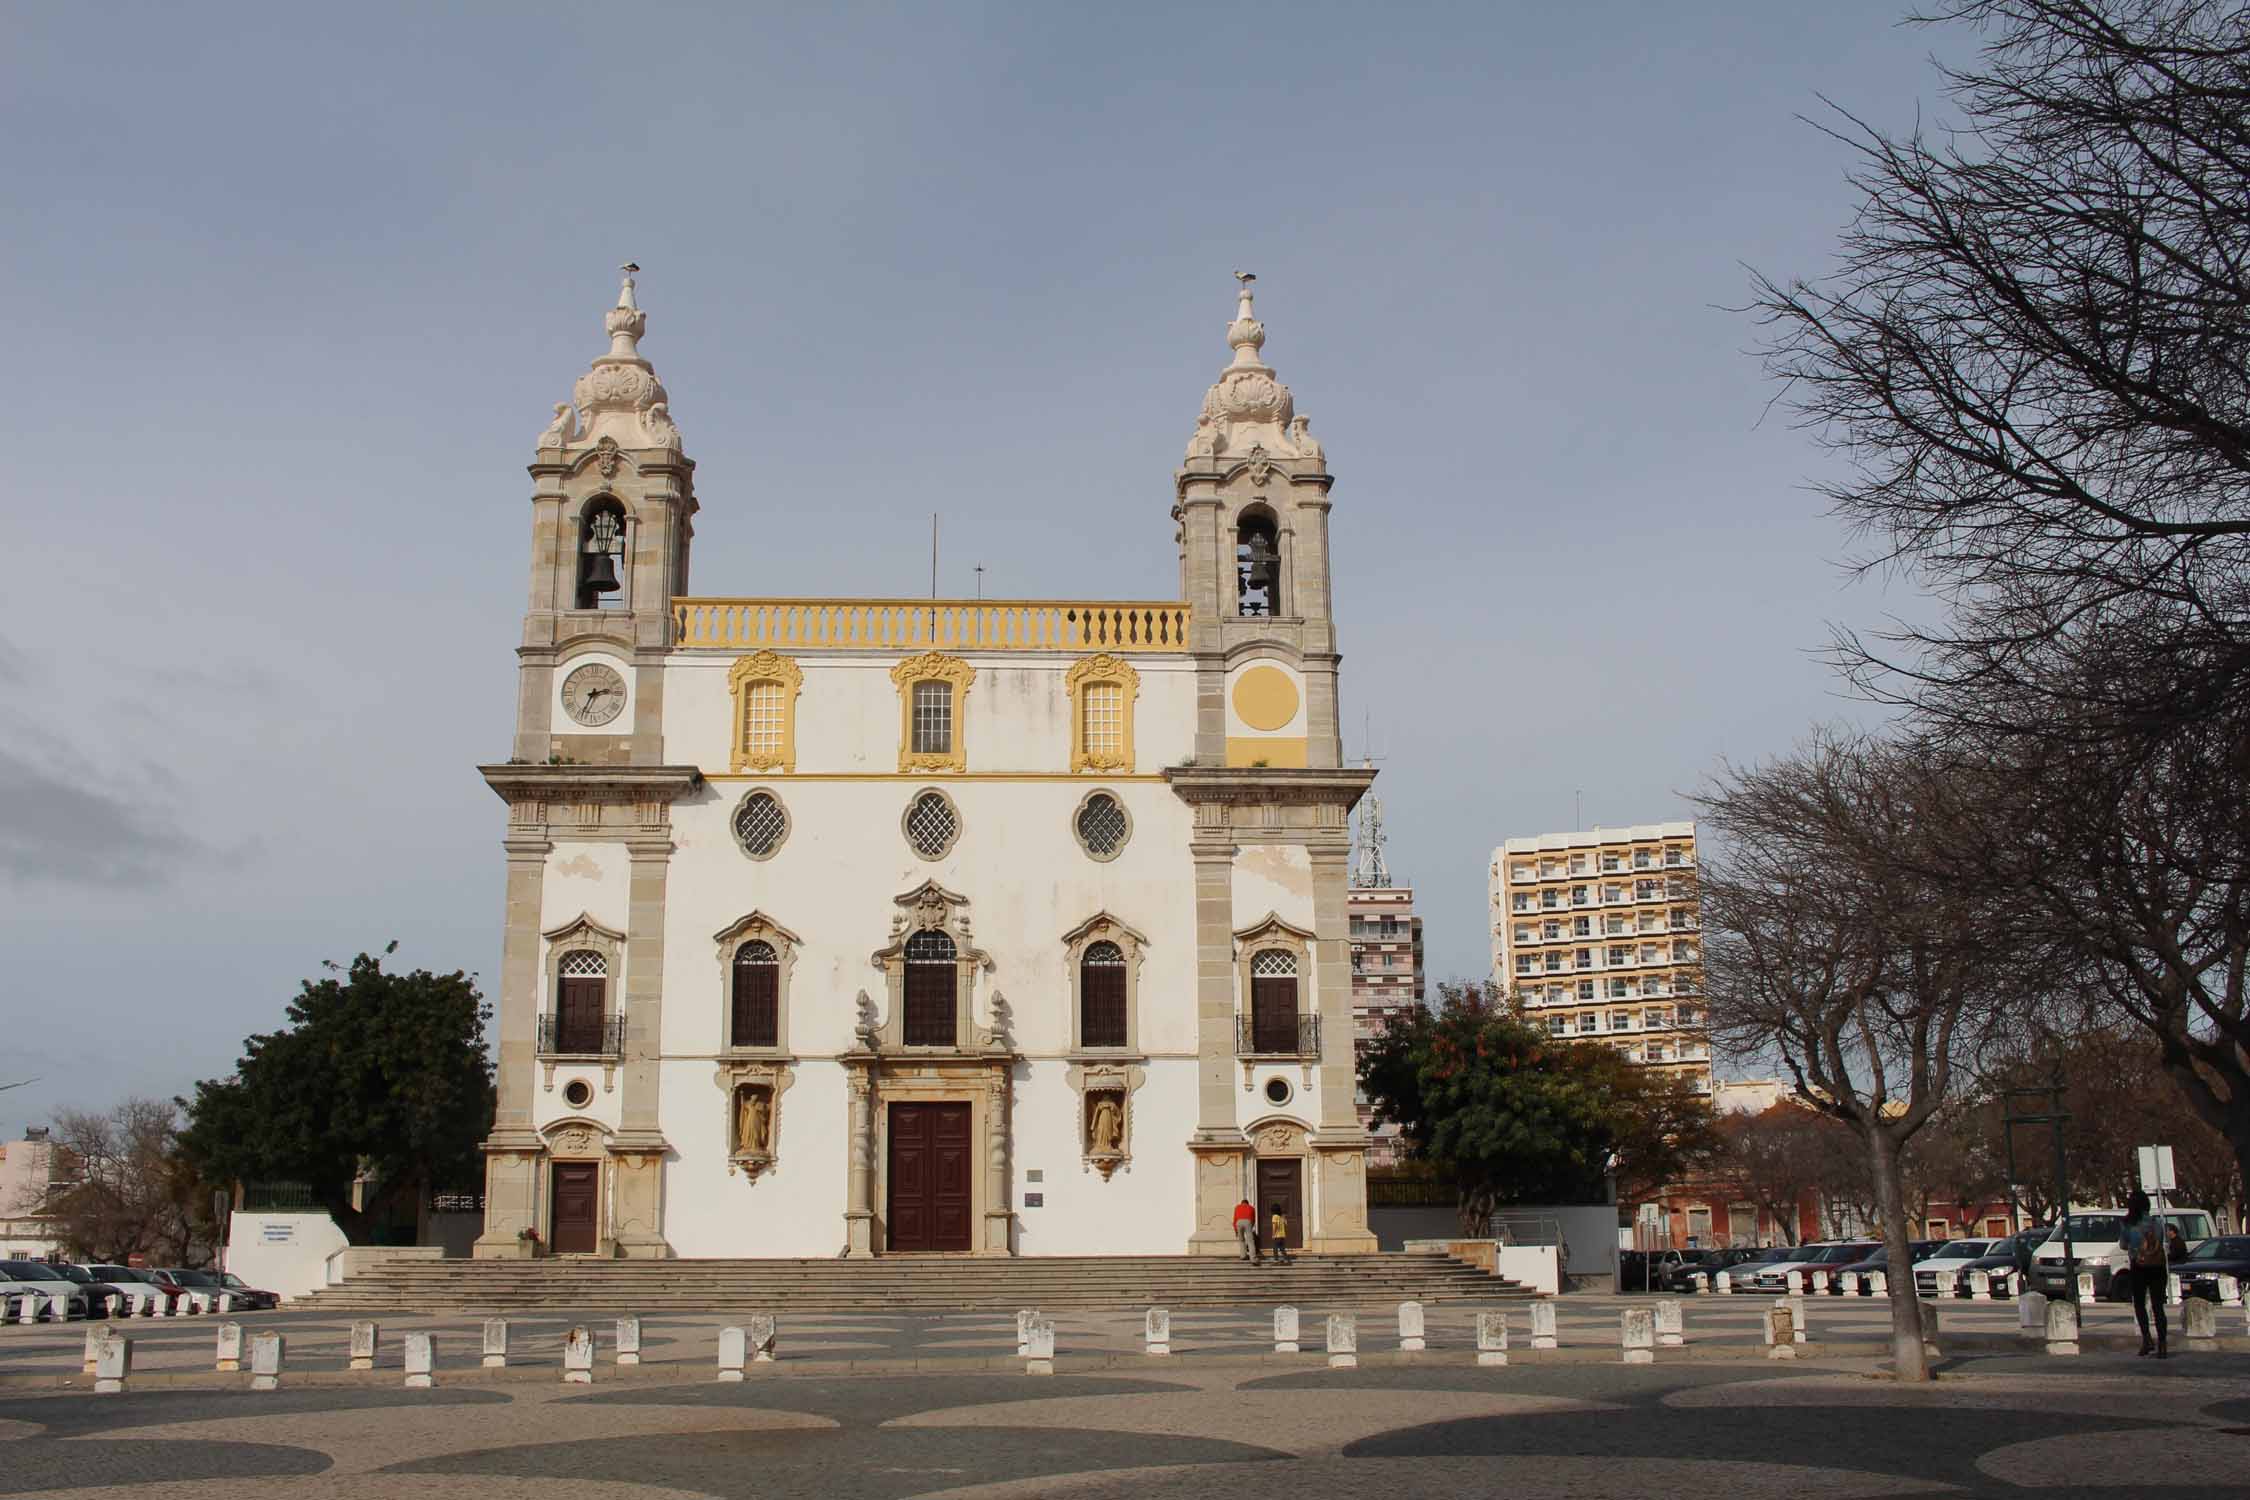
(1246, 1229)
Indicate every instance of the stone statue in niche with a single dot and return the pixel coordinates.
(1105, 1127)
(753, 1122)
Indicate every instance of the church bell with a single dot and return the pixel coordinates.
(600, 568)
(601, 574)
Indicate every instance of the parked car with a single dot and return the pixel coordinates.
(102, 1299)
(1999, 1262)
(1880, 1260)
(1756, 1275)
(2094, 1235)
(1707, 1263)
(1640, 1270)
(1819, 1262)
(215, 1285)
(1945, 1264)
(64, 1298)
(139, 1286)
(2225, 1255)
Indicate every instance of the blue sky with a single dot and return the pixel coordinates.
(293, 289)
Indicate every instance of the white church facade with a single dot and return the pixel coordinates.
(923, 926)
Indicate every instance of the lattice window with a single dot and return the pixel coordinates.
(760, 824)
(933, 718)
(1105, 720)
(931, 823)
(932, 983)
(1273, 963)
(1102, 825)
(762, 720)
(1101, 992)
(582, 964)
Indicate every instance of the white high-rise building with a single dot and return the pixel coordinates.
(1598, 936)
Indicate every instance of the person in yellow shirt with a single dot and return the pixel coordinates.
(1280, 1235)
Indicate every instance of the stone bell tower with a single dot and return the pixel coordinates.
(1269, 790)
(613, 503)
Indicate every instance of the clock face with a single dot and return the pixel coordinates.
(594, 694)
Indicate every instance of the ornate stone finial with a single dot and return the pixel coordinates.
(1248, 408)
(620, 398)
(1245, 335)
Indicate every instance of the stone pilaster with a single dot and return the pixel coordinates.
(999, 1218)
(859, 1200)
(512, 1151)
(1332, 961)
(637, 1151)
(1222, 1179)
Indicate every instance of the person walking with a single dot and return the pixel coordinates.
(2148, 1266)
(1246, 1230)
(1280, 1236)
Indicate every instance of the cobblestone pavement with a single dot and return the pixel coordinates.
(1441, 1427)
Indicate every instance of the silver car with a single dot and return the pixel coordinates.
(60, 1298)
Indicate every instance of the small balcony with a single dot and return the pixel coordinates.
(575, 1038)
(1290, 1036)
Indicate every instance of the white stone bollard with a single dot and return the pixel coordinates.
(226, 1302)
(1980, 1285)
(229, 1355)
(1024, 1316)
(265, 1360)
(496, 1343)
(1637, 1332)
(1701, 1281)
(578, 1356)
(2062, 1326)
(27, 1308)
(1944, 1287)
(1800, 1320)
(764, 1335)
(200, 1301)
(2201, 1321)
(1724, 1282)
(734, 1346)
(1780, 1331)
(1492, 1338)
(1671, 1324)
(365, 1336)
(1543, 1324)
(1410, 1327)
(113, 1363)
(1794, 1282)
(628, 1341)
(1928, 1313)
(94, 1337)
(1343, 1341)
(1156, 1331)
(2230, 1292)
(2085, 1289)
(1878, 1284)
(1039, 1348)
(2031, 1312)
(2171, 1291)
(1285, 1330)
(421, 1362)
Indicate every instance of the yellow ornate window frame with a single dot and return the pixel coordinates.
(765, 666)
(1102, 668)
(932, 666)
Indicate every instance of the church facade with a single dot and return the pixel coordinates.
(892, 926)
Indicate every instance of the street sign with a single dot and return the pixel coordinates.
(2156, 1169)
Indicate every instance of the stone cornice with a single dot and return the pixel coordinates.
(1344, 785)
(527, 783)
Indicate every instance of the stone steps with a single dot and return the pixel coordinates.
(908, 1285)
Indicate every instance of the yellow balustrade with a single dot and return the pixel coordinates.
(930, 624)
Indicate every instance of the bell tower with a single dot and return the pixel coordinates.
(613, 502)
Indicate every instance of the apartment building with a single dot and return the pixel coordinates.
(1597, 936)
(1387, 982)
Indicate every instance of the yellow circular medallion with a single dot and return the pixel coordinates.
(1265, 698)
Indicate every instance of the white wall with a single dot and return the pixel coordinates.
(283, 1252)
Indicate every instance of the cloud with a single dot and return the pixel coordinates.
(56, 827)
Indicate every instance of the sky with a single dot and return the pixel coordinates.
(293, 290)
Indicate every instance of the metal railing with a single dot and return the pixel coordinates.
(579, 1039)
(931, 624)
(1269, 1040)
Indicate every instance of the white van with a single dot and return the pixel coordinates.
(2094, 1233)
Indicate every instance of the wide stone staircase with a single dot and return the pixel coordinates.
(906, 1284)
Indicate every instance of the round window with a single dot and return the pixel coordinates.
(931, 824)
(760, 824)
(578, 1093)
(1277, 1089)
(1102, 825)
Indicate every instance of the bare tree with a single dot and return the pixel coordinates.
(1776, 1159)
(125, 1191)
(1827, 944)
(2031, 354)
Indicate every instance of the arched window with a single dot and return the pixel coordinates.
(1257, 563)
(757, 996)
(1273, 1001)
(1101, 996)
(601, 557)
(581, 1002)
(933, 976)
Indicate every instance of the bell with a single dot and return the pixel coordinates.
(601, 574)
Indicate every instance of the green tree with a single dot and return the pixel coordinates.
(379, 1075)
(1516, 1116)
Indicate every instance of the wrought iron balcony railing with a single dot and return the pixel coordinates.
(573, 1038)
(1290, 1036)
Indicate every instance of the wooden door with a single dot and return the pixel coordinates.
(575, 1200)
(1281, 1182)
(930, 1161)
(578, 1016)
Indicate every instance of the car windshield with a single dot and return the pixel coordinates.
(1844, 1255)
(2232, 1248)
(193, 1278)
(2084, 1227)
(73, 1273)
(228, 1278)
(121, 1273)
(1960, 1250)
(25, 1270)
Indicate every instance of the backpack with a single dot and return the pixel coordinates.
(2148, 1250)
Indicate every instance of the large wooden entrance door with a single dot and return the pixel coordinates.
(575, 1199)
(930, 1159)
(1281, 1182)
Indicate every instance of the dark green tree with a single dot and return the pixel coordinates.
(379, 1075)
(1515, 1116)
